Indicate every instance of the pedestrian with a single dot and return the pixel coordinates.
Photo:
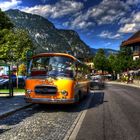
(131, 78)
(127, 78)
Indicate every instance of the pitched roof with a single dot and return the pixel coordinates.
(133, 39)
(136, 35)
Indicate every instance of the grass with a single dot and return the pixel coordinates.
(14, 90)
(19, 90)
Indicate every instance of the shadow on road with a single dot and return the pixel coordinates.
(98, 99)
(19, 116)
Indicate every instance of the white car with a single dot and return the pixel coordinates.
(97, 82)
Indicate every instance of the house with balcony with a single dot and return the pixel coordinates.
(134, 43)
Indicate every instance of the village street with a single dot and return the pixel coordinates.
(107, 114)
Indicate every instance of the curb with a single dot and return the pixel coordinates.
(7, 113)
(74, 129)
(70, 131)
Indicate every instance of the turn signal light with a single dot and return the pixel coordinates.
(28, 91)
(64, 92)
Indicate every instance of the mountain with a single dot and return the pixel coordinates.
(46, 37)
(107, 51)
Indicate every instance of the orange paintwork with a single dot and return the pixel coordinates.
(61, 84)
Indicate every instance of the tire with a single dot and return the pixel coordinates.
(77, 98)
(88, 90)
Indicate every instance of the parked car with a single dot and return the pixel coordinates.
(21, 81)
(97, 82)
(4, 83)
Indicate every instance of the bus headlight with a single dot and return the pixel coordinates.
(28, 91)
(64, 92)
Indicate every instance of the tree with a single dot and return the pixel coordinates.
(136, 64)
(100, 61)
(23, 44)
(14, 45)
(111, 62)
(5, 22)
(125, 59)
(22, 69)
(114, 65)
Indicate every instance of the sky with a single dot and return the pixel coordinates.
(100, 23)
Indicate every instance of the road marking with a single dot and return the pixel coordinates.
(73, 131)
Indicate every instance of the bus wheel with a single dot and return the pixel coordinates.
(77, 98)
(81, 96)
(88, 90)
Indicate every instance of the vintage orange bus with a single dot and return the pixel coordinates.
(56, 78)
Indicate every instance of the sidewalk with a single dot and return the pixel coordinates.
(9, 105)
(134, 84)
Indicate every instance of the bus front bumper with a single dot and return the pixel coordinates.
(50, 101)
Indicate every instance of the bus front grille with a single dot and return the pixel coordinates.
(45, 90)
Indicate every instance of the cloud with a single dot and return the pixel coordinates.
(128, 28)
(82, 25)
(109, 35)
(106, 12)
(76, 17)
(131, 24)
(57, 10)
(44, 1)
(80, 21)
(132, 2)
(12, 4)
(107, 44)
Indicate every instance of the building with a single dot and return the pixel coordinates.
(3, 70)
(134, 43)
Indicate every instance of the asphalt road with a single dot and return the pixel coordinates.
(114, 114)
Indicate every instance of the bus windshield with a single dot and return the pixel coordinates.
(52, 66)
